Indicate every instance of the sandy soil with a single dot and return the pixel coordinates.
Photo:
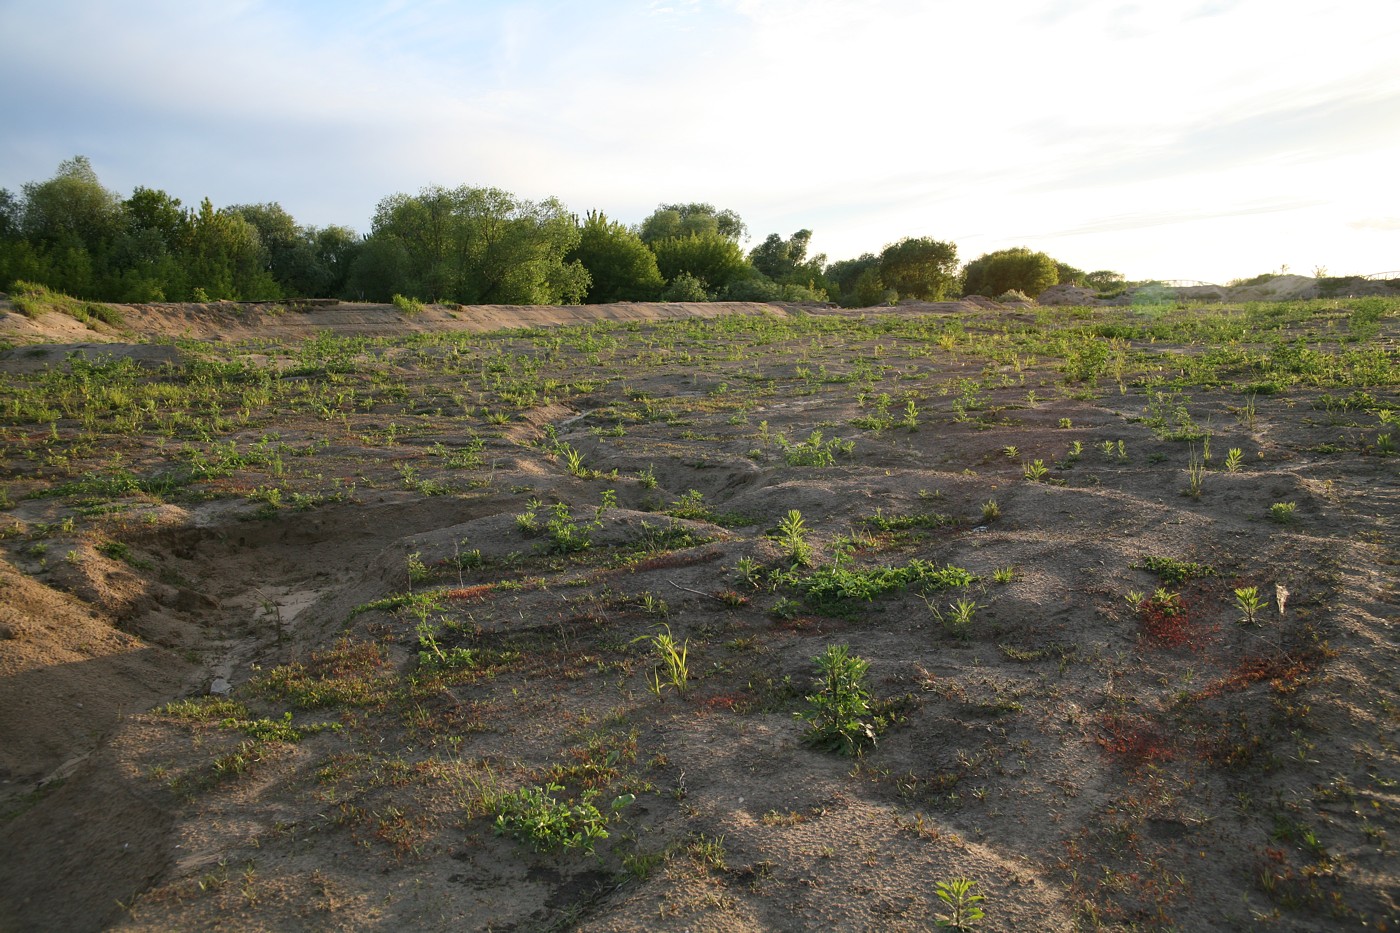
(1089, 760)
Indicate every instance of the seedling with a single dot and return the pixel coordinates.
(1035, 471)
(1282, 512)
(957, 621)
(792, 538)
(961, 900)
(653, 605)
(534, 815)
(672, 668)
(1234, 458)
(417, 570)
(1250, 603)
(990, 511)
(911, 417)
(1195, 474)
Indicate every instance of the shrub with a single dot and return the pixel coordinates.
(407, 305)
(1010, 270)
(685, 287)
(840, 714)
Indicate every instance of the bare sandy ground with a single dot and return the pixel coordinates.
(1086, 766)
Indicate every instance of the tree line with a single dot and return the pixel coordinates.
(467, 245)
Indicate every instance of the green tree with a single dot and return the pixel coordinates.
(671, 221)
(478, 246)
(685, 287)
(855, 283)
(786, 262)
(1069, 275)
(619, 263)
(1019, 268)
(286, 253)
(71, 223)
(71, 209)
(225, 258)
(919, 267)
(335, 249)
(149, 258)
(1104, 280)
(711, 257)
(10, 215)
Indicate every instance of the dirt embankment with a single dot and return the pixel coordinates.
(232, 321)
(229, 320)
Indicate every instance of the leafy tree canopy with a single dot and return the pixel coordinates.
(680, 220)
(1019, 268)
(478, 246)
(619, 263)
(919, 267)
(71, 209)
(786, 262)
(1104, 280)
(711, 257)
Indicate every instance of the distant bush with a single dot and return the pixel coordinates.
(1333, 286)
(685, 287)
(1019, 269)
(407, 305)
(1257, 280)
(1012, 295)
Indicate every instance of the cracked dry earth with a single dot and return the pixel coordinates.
(287, 620)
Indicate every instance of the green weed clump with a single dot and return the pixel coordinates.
(840, 716)
(672, 665)
(535, 816)
(815, 451)
(1174, 572)
(833, 584)
(350, 673)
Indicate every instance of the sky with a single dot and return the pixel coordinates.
(1171, 139)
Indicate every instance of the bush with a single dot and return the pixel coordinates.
(685, 287)
(1005, 270)
(840, 717)
(407, 305)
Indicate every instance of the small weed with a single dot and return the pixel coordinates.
(961, 899)
(708, 851)
(990, 511)
(957, 621)
(791, 536)
(1250, 604)
(1195, 474)
(1282, 512)
(1172, 571)
(672, 668)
